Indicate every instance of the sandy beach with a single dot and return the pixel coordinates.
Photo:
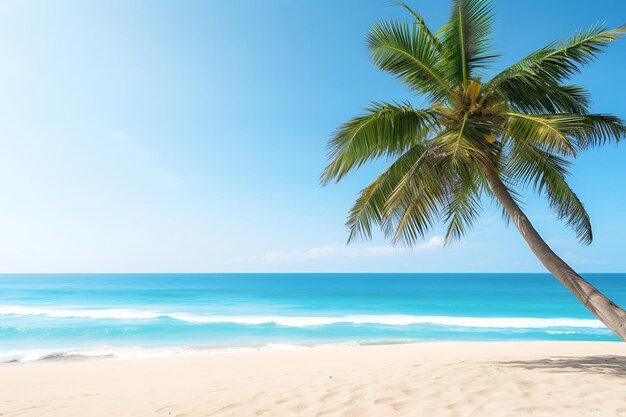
(428, 379)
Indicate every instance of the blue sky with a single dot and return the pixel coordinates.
(164, 136)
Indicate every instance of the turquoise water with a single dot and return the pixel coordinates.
(127, 315)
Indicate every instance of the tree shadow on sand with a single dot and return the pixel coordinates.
(598, 364)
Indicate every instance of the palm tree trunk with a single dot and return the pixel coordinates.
(604, 309)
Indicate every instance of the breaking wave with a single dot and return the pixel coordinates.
(303, 321)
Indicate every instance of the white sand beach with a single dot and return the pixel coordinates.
(427, 379)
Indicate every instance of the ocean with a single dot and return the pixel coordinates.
(46, 316)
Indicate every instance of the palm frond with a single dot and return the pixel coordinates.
(385, 130)
(550, 131)
(466, 142)
(417, 199)
(368, 208)
(466, 39)
(563, 133)
(546, 172)
(463, 205)
(557, 62)
(409, 52)
(598, 129)
(419, 20)
(546, 98)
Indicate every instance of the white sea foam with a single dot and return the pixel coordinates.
(113, 313)
(304, 321)
(397, 320)
(135, 352)
(27, 355)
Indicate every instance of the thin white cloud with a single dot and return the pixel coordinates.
(336, 250)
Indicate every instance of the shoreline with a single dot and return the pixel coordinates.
(106, 352)
(444, 378)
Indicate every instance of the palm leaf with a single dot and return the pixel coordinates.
(554, 63)
(417, 199)
(368, 208)
(385, 130)
(546, 172)
(565, 134)
(546, 98)
(408, 52)
(466, 142)
(463, 204)
(598, 129)
(419, 20)
(550, 131)
(466, 39)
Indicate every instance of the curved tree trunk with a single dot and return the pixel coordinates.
(607, 311)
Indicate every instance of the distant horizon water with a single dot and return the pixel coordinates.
(140, 315)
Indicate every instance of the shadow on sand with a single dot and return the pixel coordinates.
(600, 364)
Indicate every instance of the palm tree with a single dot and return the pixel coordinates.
(520, 129)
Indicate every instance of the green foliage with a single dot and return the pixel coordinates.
(410, 53)
(385, 130)
(526, 124)
(465, 37)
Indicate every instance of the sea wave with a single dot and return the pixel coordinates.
(113, 313)
(135, 352)
(397, 320)
(304, 321)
